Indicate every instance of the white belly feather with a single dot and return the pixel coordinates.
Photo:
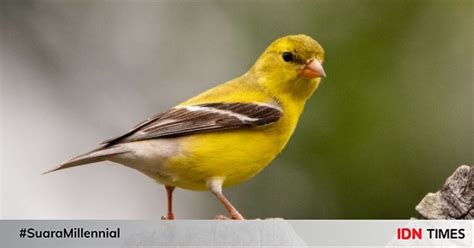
(149, 156)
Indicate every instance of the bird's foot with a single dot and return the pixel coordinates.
(233, 216)
(169, 216)
(221, 217)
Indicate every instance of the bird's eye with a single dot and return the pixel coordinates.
(287, 56)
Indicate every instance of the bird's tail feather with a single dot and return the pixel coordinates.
(97, 155)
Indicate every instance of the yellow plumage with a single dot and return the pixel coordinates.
(280, 82)
(238, 155)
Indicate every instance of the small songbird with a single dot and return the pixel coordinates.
(227, 134)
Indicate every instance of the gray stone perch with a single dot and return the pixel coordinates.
(455, 200)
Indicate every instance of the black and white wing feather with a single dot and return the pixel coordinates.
(185, 120)
(181, 121)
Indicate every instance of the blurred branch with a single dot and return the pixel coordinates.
(455, 200)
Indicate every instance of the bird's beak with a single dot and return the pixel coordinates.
(313, 69)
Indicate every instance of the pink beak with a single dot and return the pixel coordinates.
(313, 69)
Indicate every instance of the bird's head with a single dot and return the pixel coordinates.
(291, 66)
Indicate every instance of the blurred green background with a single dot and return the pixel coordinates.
(391, 121)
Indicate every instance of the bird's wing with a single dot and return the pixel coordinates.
(184, 120)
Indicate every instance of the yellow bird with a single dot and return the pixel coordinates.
(227, 134)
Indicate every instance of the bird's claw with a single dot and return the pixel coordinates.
(221, 217)
(167, 217)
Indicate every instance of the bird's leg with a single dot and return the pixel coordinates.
(169, 193)
(234, 214)
(216, 188)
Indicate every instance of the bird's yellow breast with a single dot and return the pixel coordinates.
(234, 155)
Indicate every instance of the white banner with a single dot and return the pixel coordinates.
(270, 232)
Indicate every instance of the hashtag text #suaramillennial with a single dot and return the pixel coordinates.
(75, 233)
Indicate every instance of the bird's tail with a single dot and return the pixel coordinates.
(97, 155)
